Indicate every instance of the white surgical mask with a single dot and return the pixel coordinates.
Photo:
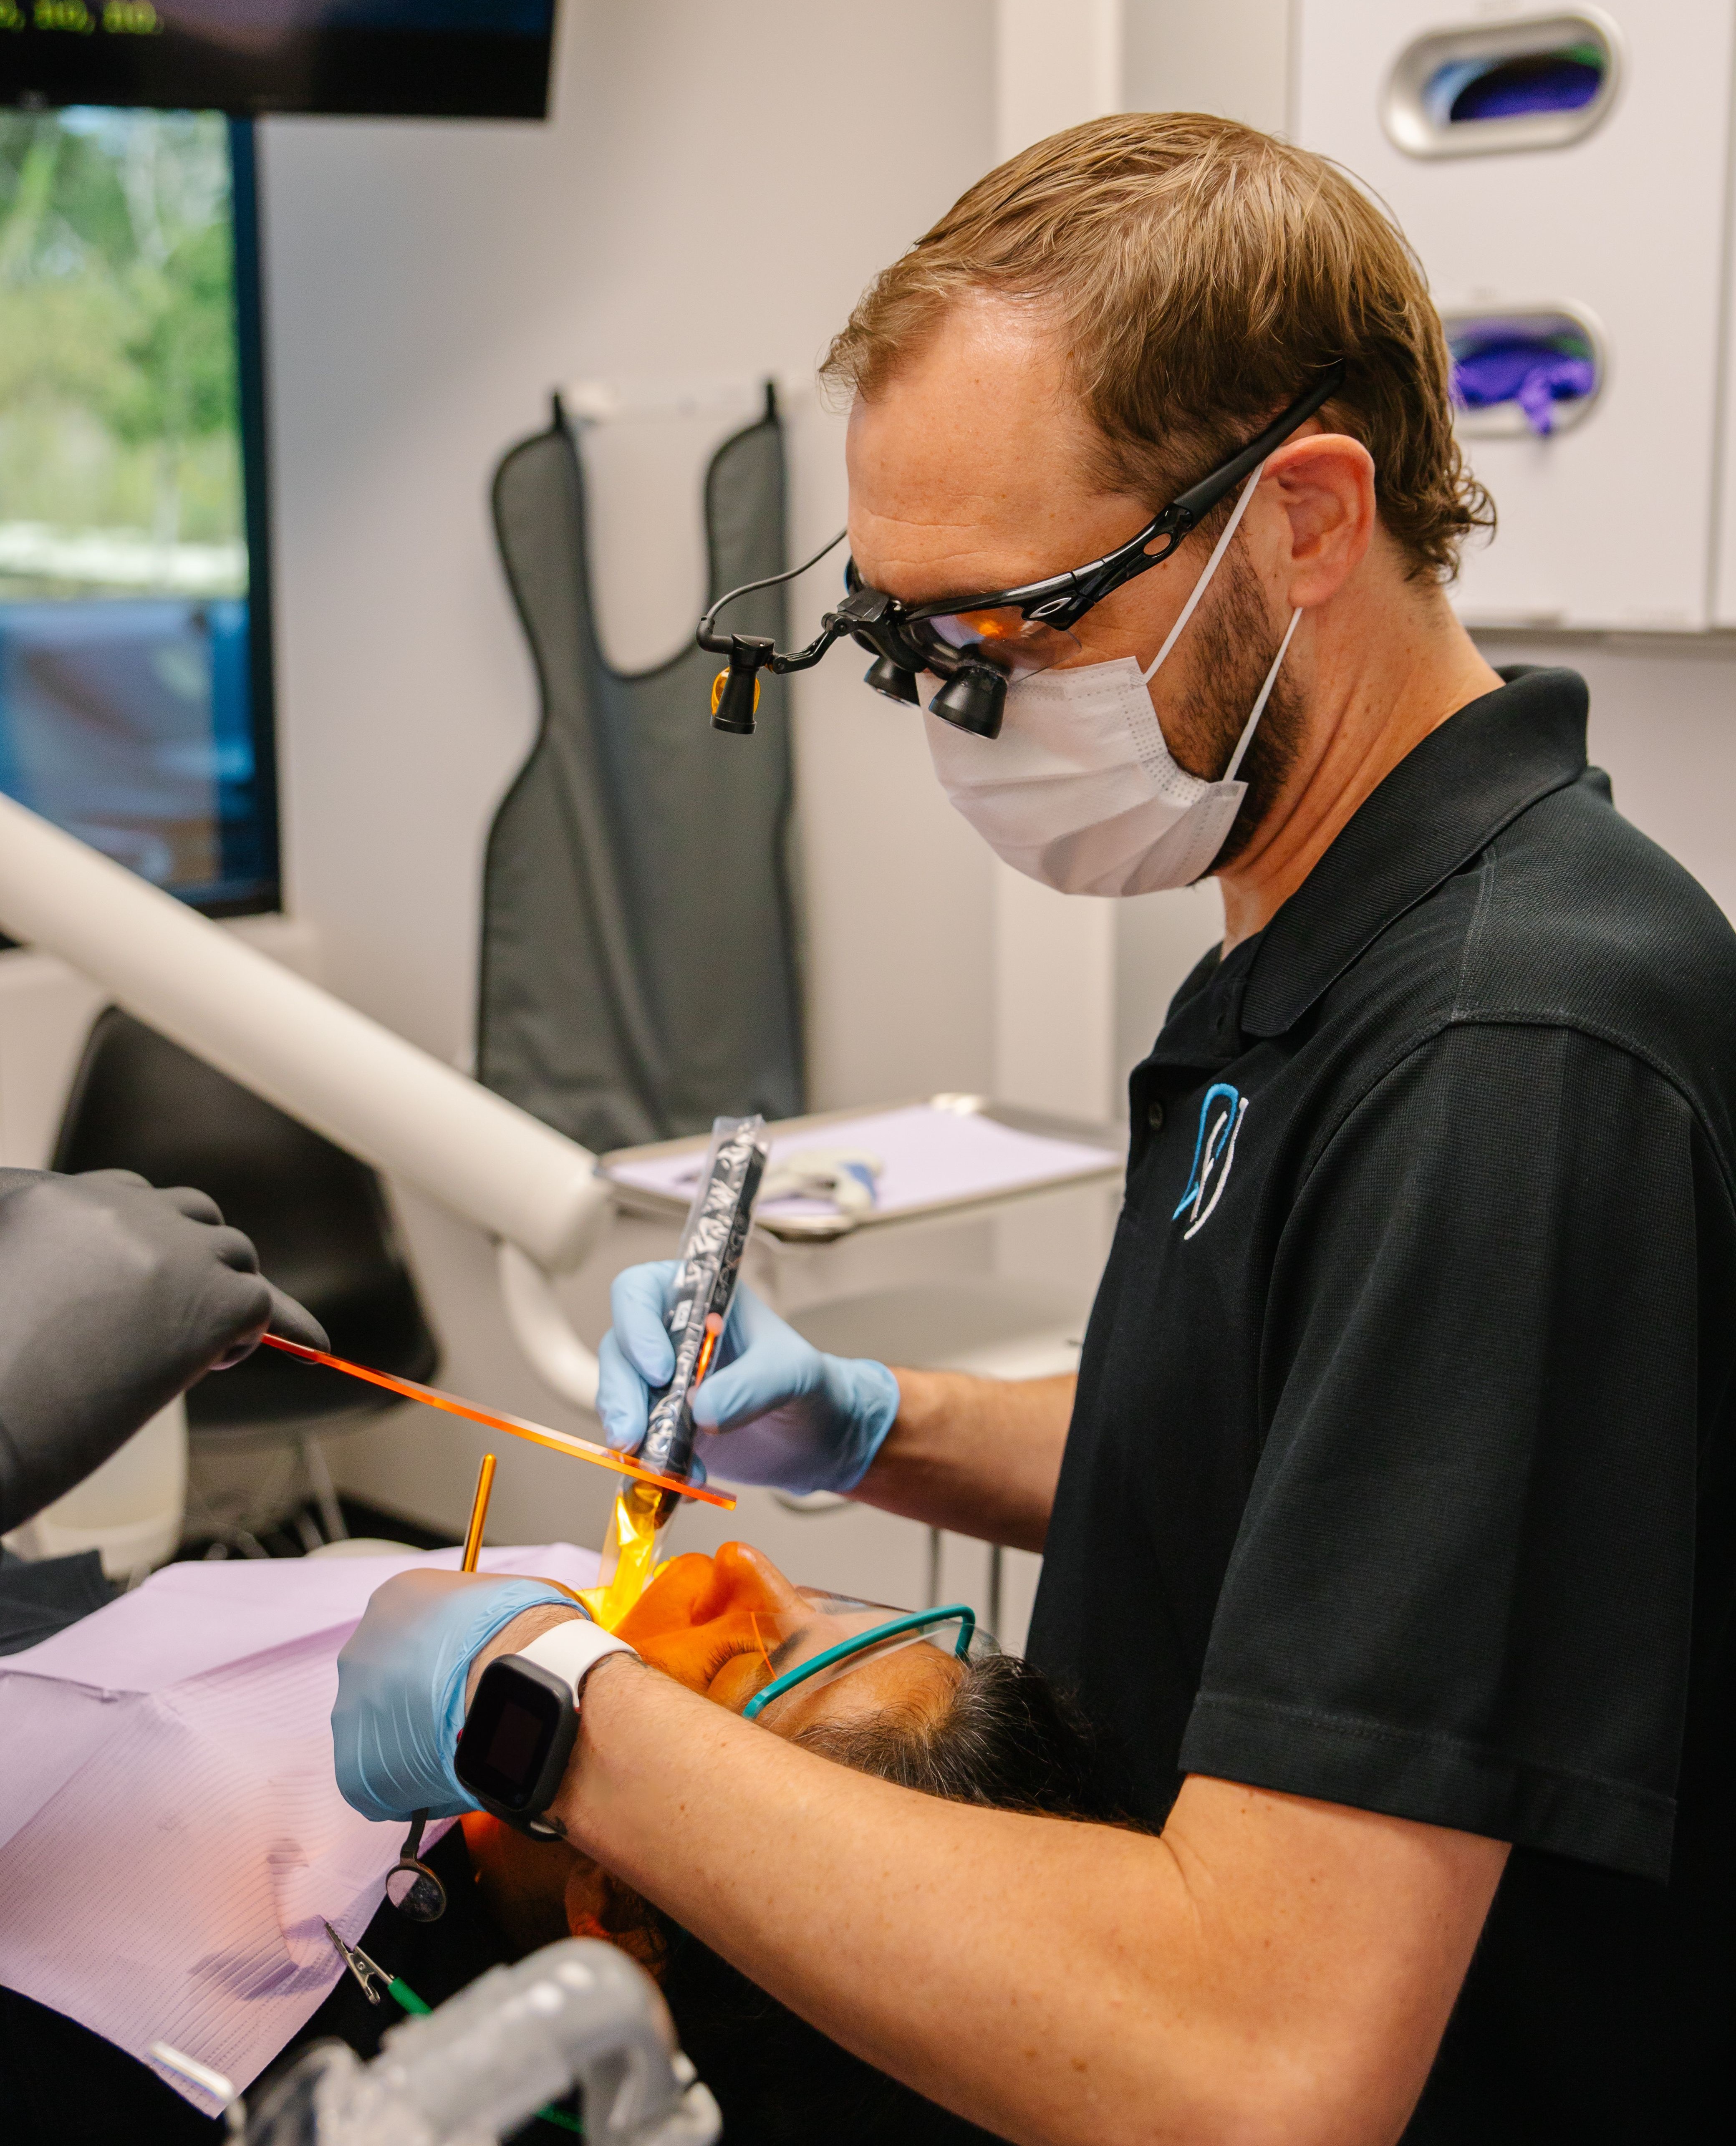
(1081, 790)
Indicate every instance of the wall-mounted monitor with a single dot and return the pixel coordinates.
(135, 624)
(484, 59)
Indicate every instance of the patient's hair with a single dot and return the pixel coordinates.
(1005, 1738)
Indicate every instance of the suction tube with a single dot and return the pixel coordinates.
(576, 2014)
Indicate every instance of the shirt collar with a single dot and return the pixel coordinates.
(1447, 798)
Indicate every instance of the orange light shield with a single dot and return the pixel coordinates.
(539, 1434)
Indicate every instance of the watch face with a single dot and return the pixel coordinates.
(508, 1734)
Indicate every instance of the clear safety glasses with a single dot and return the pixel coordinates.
(841, 1636)
(979, 645)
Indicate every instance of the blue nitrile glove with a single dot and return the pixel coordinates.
(400, 1686)
(773, 1409)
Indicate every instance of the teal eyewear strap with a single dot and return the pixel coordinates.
(919, 1620)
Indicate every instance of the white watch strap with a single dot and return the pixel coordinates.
(572, 1651)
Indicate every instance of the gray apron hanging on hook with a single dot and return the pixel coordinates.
(638, 968)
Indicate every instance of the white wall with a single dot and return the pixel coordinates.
(1231, 57)
(720, 178)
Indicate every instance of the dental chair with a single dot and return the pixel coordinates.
(324, 1233)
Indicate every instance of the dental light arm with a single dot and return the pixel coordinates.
(397, 1108)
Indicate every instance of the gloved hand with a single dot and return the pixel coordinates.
(114, 1297)
(401, 1682)
(773, 1409)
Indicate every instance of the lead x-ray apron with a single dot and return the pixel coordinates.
(638, 972)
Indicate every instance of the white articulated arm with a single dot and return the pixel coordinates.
(321, 1060)
(542, 1330)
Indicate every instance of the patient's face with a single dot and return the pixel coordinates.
(726, 1626)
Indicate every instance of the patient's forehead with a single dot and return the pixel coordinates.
(914, 1682)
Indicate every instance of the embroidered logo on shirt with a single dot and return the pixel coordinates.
(1220, 1120)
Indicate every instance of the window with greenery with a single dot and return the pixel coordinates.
(134, 677)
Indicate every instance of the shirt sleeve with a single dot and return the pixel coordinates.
(1462, 1588)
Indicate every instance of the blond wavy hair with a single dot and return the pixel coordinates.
(1199, 275)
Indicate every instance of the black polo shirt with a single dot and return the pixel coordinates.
(1402, 1471)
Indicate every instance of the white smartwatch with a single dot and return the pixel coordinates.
(519, 1733)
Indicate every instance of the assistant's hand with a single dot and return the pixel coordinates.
(401, 1681)
(114, 1297)
(774, 1410)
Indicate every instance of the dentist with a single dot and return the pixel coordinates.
(1388, 1533)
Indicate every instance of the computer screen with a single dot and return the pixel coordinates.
(135, 632)
(486, 59)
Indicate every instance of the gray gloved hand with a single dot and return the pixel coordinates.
(114, 1297)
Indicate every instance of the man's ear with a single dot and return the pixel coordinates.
(1324, 485)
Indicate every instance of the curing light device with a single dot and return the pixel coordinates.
(705, 1287)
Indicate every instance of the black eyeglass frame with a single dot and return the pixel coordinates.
(874, 620)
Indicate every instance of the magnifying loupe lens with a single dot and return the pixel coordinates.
(416, 1892)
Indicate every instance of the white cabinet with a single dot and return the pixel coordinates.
(1562, 175)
